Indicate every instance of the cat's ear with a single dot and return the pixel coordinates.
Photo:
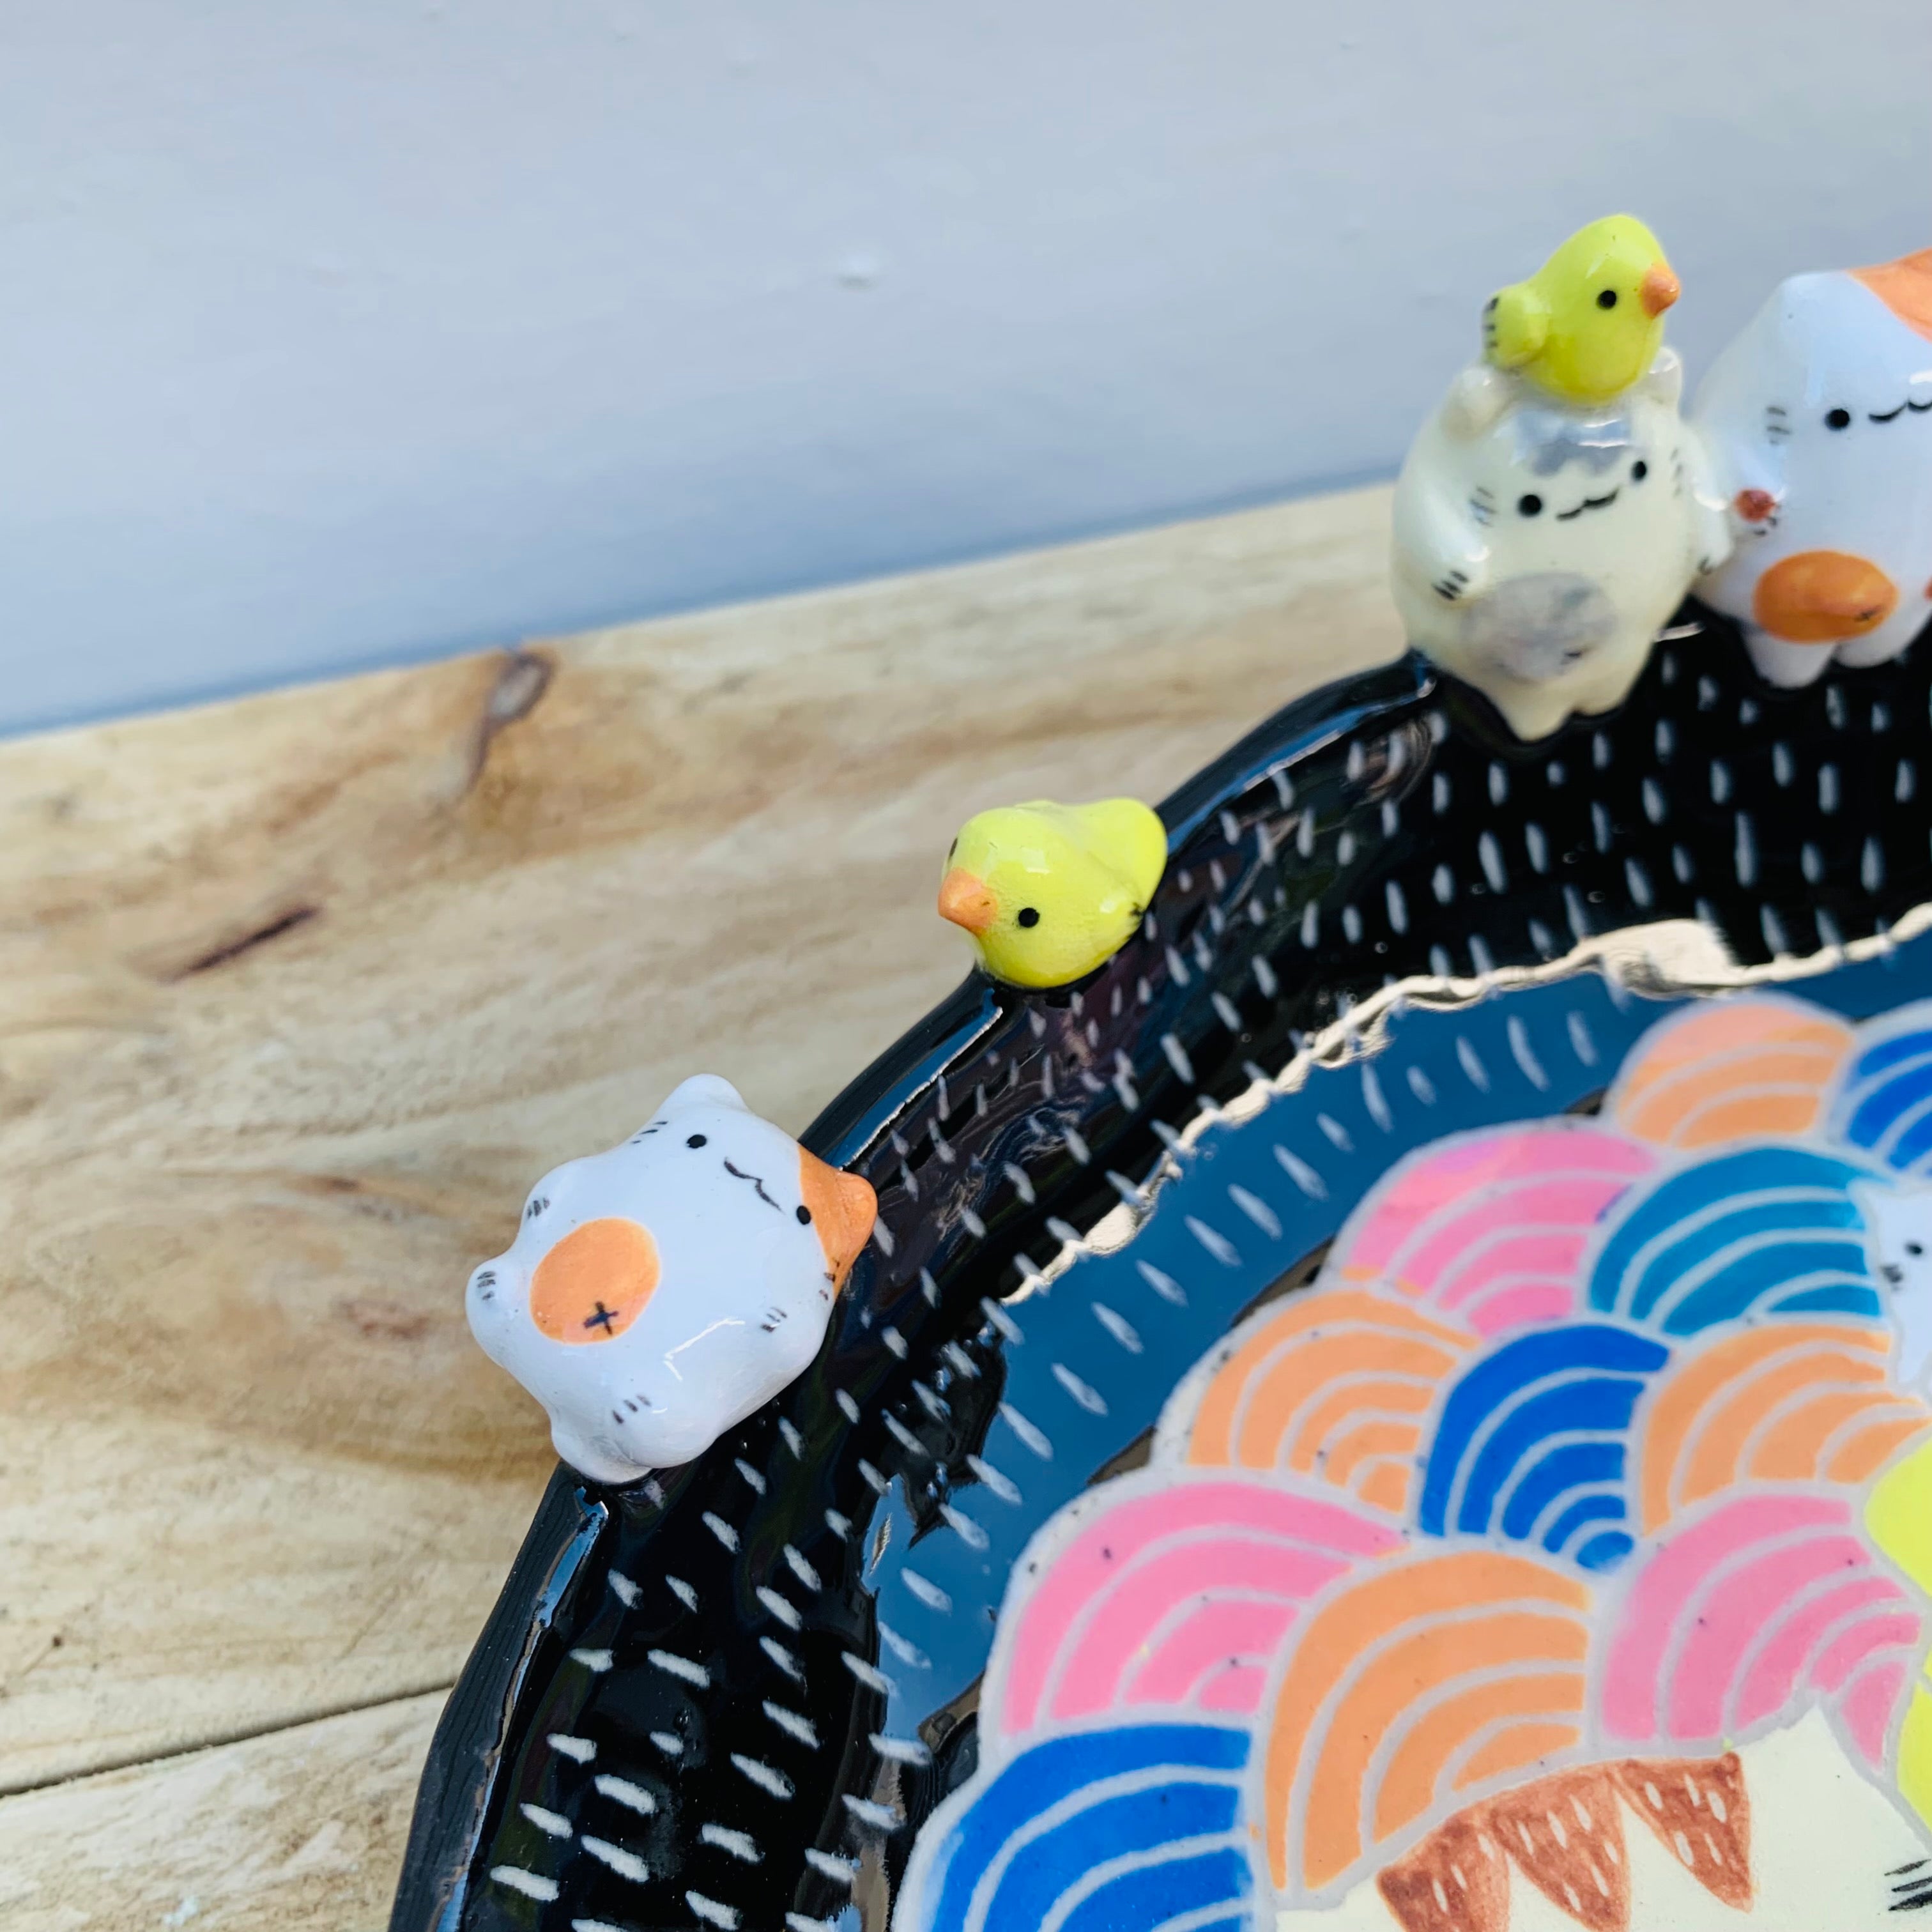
(1664, 380)
(704, 1089)
(1476, 398)
(1872, 1198)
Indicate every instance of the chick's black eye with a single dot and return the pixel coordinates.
(1028, 916)
(804, 1214)
(1914, 1248)
(696, 1140)
(1838, 418)
(1640, 469)
(1531, 505)
(1607, 298)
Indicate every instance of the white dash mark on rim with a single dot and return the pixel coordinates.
(1311, 925)
(1264, 976)
(848, 1406)
(1442, 883)
(869, 1674)
(532, 1884)
(592, 1660)
(766, 1778)
(927, 1591)
(1007, 1327)
(1537, 846)
(801, 1569)
(1001, 1485)
(712, 1913)
(581, 1749)
(1176, 1056)
(1638, 880)
(907, 1654)
(1744, 855)
(797, 1922)
(1032, 1438)
(1163, 1285)
(1372, 1099)
(1491, 854)
(1228, 1014)
(1398, 907)
(836, 1869)
(682, 1591)
(1217, 1244)
(969, 1532)
(840, 1526)
(669, 1742)
(626, 1864)
(783, 1658)
(1525, 1055)
(1827, 788)
(669, 1662)
(1421, 1086)
(901, 1751)
(1472, 1063)
(627, 1592)
(1304, 1176)
(1258, 1211)
(552, 1824)
(869, 1811)
(750, 1474)
(1338, 1136)
(622, 1791)
(1117, 1325)
(792, 1724)
(722, 1530)
(1085, 1394)
(793, 1441)
(786, 1612)
(1581, 1044)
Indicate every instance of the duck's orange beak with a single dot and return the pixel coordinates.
(1658, 289)
(967, 901)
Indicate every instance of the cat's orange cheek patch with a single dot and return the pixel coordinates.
(595, 1281)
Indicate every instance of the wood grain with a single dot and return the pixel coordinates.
(298, 994)
(302, 1829)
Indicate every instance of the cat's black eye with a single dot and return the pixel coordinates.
(1640, 469)
(1606, 298)
(1914, 1248)
(1028, 916)
(1838, 418)
(696, 1140)
(804, 1214)
(1531, 505)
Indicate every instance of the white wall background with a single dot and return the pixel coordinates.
(334, 332)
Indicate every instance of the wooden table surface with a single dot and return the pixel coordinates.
(299, 993)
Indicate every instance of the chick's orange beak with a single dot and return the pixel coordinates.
(966, 901)
(1658, 289)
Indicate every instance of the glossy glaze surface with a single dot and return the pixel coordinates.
(1819, 418)
(839, 1557)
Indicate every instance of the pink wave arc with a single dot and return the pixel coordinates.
(1751, 1610)
(1491, 1228)
(1176, 1595)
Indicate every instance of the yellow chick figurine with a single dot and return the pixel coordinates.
(1587, 325)
(1049, 892)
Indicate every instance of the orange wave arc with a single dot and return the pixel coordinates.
(1414, 1665)
(1786, 1401)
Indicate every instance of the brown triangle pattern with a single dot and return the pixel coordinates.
(1564, 1834)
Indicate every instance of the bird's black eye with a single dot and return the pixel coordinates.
(1838, 418)
(804, 1214)
(696, 1140)
(1914, 1248)
(1027, 916)
(1607, 298)
(1531, 505)
(1640, 469)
